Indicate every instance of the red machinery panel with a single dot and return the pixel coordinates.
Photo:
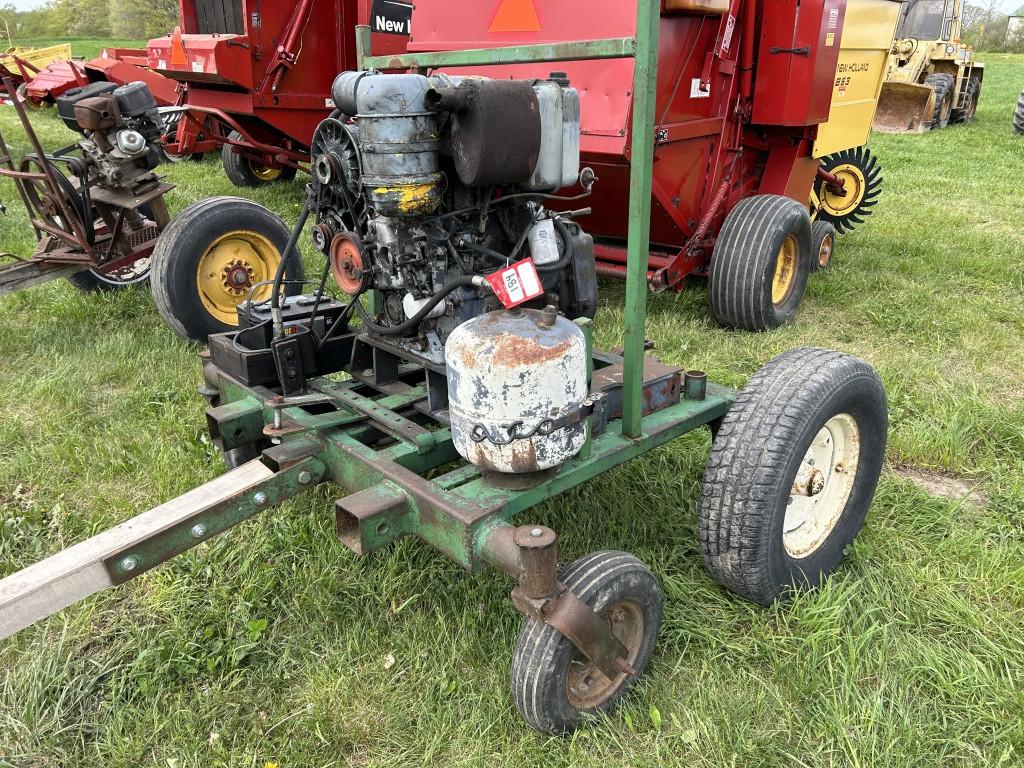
(797, 59)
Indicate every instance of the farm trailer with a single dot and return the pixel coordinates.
(488, 400)
(754, 97)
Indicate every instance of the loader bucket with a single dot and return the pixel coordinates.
(905, 108)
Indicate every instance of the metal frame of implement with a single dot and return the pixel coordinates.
(399, 474)
(61, 252)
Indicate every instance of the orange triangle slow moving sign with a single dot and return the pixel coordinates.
(515, 16)
(179, 59)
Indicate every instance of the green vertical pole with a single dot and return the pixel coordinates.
(645, 80)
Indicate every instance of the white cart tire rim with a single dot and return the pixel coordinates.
(822, 486)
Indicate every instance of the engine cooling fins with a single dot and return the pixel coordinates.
(862, 177)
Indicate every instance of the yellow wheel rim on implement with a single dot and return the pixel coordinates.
(230, 267)
(855, 186)
(786, 266)
(264, 172)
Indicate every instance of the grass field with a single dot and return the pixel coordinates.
(81, 47)
(275, 645)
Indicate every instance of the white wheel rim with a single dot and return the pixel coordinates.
(822, 486)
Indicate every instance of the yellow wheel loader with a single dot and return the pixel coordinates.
(933, 79)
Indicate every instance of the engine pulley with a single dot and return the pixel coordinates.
(347, 263)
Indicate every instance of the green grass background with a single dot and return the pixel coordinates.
(81, 47)
(274, 644)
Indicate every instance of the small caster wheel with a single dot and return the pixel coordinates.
(792, 473)
(554, 684)
(823, 245)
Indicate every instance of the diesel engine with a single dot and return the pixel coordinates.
(121, 128)
(422, 186)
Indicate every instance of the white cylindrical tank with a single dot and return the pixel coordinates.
(512, 375)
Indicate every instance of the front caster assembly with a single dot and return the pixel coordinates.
(589, 631)
(554, 685)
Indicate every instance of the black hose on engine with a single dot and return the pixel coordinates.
(465, 281)
(275, 298)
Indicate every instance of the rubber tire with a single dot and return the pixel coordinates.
(944, 86)
(744, 259)
(1018, 116)
(32, 106)
(970, 108)
(180, 246)
(819, 231)
(542, 655)
(237, 169)
(87, 282)
(755, 458)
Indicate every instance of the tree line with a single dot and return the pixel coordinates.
(987, 29)
(126, 19)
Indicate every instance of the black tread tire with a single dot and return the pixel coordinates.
(32, 106)
(820, 231)
(970, 108)
(754, 460)
(542, 655)
(744, 258)
(238, 171)
(944, 86)
(1018, 116)
(181, 245)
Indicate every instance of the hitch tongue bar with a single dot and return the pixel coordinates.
(138, 544)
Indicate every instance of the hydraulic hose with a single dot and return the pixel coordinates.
(275, 298)
(466, 281)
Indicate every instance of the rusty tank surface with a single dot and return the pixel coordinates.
(514, 380)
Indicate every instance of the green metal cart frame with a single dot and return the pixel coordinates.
(415, 484)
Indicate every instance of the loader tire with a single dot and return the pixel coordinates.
(760, 264)
(243, 172)
(1018, 116)
(967, 112)
(945, 92)
(792, 473)
(211, 257)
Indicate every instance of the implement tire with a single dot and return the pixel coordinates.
(1018, 116)
(945, 92)
(792, 473)
(92, 280)
(823, 245)
(243, 172)
(760, 264)
(208, 260)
